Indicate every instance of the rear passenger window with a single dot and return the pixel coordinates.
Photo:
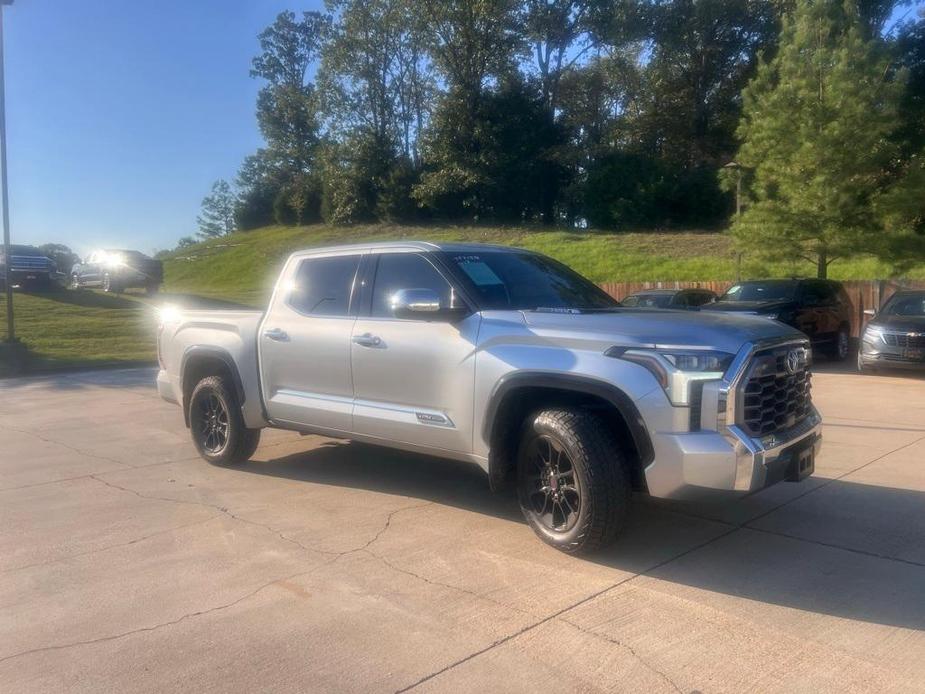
(323, 285)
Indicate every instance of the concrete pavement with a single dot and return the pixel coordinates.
(129, 564)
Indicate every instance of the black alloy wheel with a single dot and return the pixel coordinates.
(552, 488)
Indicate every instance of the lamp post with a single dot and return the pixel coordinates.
(8, 285)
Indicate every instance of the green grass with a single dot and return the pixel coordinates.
(77, 329)
(244, 265)
(68, 329)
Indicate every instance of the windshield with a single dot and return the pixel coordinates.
(761, 291)
(504, 280)
(907, 305)
(649, 300)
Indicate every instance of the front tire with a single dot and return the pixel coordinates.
(216, 424)
(110, 285)
(572, 481)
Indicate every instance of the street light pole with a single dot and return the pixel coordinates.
(7, 255)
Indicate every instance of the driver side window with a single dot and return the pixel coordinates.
(405, 271)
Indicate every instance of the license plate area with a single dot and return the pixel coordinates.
(802, 463)
(913, 354)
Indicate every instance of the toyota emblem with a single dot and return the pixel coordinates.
(793, 361)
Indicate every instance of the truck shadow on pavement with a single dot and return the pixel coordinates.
(855, 551)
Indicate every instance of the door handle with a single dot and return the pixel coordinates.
(367, 340)
(277, 334)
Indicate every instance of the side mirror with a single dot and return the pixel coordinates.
(420, 304)
(869, 312)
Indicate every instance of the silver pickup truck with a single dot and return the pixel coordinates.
(509, 360)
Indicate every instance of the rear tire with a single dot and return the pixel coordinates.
(110, 285)
(216, 424)
(572, 480)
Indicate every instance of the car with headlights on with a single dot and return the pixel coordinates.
(820, 309)
(895, 335)
(118, 270)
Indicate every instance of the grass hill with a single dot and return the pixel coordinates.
(244, 265)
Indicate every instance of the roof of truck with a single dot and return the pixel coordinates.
(424, 246)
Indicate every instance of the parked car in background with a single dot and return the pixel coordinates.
(895, 336)
(669, 298)
(508, 360)
(27, 267)
(118, 270)
(818, 308)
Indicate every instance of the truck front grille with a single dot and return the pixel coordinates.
(916, 340)
(775, 392)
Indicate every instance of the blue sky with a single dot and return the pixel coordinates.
(121, 114)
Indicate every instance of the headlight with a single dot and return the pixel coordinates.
(677, 370)
(873, 333)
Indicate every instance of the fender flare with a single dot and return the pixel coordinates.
(194, 352)
(576, 384)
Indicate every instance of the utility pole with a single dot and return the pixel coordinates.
(737, 167)
(7, 255)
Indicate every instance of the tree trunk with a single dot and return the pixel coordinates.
(822, 264)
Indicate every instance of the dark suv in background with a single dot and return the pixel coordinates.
(27, 267)
(895, 336)
(117, 270)
(819, 308)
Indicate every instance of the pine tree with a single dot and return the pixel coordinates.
(816, 140)
(217, 216)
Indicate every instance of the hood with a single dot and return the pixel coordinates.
(724, 332)
(912, 324)
(750, 306)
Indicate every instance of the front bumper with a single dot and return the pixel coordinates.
(708, 463)
(876, 354)
(721, 459)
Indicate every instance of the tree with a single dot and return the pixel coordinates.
(287, 112)
(217, 216)
(816, 136)
(63, 256)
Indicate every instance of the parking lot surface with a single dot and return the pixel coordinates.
(129, 564)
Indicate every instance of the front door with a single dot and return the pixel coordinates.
(413, 379)
(305, 344)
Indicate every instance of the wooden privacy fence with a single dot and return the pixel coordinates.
(863, 294)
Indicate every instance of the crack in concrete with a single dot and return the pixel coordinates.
(460, 589)
(98, 550)
(559, 613)
(279, 533)
(73, 449)
(632, 651)
(335, 556)
(161, 625)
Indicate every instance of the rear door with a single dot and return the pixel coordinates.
(413, 378)
(304, 343)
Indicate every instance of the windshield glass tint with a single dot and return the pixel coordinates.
(523, 281)
(652, 300)
(761, 291)
(906, 306)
